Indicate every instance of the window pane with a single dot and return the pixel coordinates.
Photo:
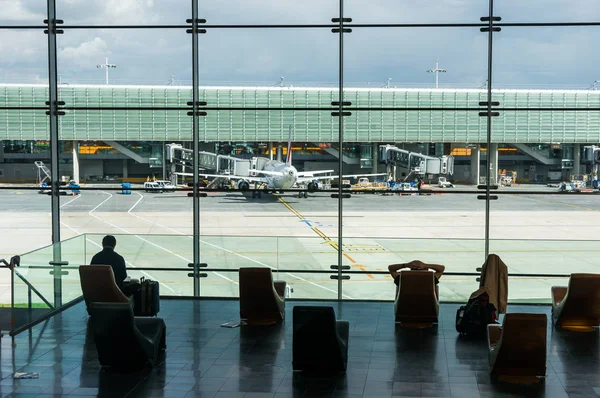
(414, 12)
(98, 12)
(124, 57)
(259, 12)
(547, 11)
(23, 12)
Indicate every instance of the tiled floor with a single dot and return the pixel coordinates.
(205, 360)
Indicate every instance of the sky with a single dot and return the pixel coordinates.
(524, 57)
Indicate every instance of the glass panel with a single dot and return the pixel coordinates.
(98, 12)
(560, 58)
(257, 12)
(22, 12)
(401, 151)
(412, 12)
(252, 57)
(126, 57)
(145, 251)
(27, 63)
(258, 140)
(547, 11)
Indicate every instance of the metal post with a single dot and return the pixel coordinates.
(489, 131)
(196, 146)
(341, 147)
(54, 150)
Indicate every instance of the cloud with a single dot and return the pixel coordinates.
(531, 56)
(19, 11)
(85, 54)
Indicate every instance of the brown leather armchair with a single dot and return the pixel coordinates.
(416, 301)
(579, 303)
(99, 286)
(517, 348)
(262, 301)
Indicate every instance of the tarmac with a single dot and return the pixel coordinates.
(533, 234)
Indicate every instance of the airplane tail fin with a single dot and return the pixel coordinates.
(288, 160)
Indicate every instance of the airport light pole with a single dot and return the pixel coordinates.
(437, 71)
(106, 66)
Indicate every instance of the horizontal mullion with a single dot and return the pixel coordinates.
(315, 109)
(125, 26)
(24, 108)
(204, 26)
(415, 25)
(534, 24)
(388, 191)
(23, 26)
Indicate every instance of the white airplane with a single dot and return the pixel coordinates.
(278, 175)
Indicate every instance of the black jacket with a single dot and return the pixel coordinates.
(108, 256)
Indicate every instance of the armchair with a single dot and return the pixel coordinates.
(416, 300)
(578, 304)
(262, 301)
(320, 342)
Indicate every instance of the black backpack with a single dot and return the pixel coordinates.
(474, 317)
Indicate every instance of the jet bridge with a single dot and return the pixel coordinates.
(182, 162)
(415, 163)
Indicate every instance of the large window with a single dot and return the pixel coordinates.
(324, 149)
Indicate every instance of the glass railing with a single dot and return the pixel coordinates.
(47, 279)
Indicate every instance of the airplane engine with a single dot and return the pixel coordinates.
(312, 186)
(243, 185)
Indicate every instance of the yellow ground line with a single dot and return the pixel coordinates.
(355, 264)
(565, 204)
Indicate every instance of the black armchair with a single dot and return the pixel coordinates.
(124, 341)
(320, 343)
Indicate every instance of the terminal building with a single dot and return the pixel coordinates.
(538, 146)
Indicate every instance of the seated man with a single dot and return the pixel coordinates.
(418, 265)
(108, 256)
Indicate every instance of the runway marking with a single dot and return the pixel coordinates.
(136, 203)
(565, 204)
(242, 256)
(137, 236)
(326, 239)
(127, 262)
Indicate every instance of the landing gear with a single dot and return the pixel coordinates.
(256, 194)
(303, 194)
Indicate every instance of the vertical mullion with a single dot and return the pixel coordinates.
(54, 152)
(341, 143)
(195, 136)
(489, 130)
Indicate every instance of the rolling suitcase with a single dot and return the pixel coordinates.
(147, 299)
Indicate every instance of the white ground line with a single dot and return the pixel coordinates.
(239, 255)
(127, 232)
(160, 225)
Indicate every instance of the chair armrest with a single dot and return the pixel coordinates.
(280, 288)
(494, 333)
(343, 330)
(558, 294)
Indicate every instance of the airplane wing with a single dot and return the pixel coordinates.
(312, 173)
(229, 177)
(307, 179)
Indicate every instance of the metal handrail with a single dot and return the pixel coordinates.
(14, 261)
(311, 271)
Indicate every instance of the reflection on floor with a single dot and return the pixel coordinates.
(205, 360)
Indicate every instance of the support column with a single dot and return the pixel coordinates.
(375, 157)
(271, 150)
(576, 158)
(164, 161)
(475, 165)
(76, 161)
(1, 152)
(279, 151)
(493, 159)
(125, 169)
